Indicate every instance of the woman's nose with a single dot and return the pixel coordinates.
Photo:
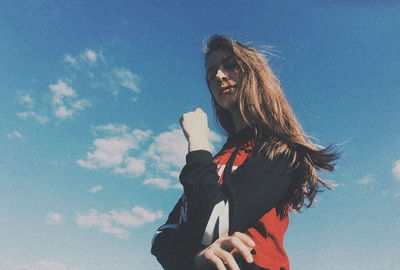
(221, 75)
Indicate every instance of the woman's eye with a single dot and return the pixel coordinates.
(211, 74)
(229, 66)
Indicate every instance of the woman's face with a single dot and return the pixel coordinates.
(223, 75)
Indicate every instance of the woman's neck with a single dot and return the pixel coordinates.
(238, 121)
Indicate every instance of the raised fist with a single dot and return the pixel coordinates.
(195, 127)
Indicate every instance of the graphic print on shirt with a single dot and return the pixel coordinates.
(218, 223)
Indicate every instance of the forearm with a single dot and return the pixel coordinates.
(171, 245)
(202, 191)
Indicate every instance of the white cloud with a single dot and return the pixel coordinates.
(91, 67)
(60, 91)
(133, 167)
(136, 217)
(161, 183)
(109, 152)
(114, 129)
(70, 59)
(63, 112)
(117, 231)
(93, 219)
(39, 118)
(87, 57)
(396, 169)
(165, 154)
(127, 79)
(174, 174)
(113, 152)
(25, 99)
(168, 150)
(96, 189)
(91, 56)
(54, 218)
(141, 134)
(64, 100)
(213, 138)
(45, 265)
(368, 179)
(145, 215)
(81, 104)
(15, 134)
(116, 222)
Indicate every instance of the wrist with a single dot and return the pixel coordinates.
(199, 145)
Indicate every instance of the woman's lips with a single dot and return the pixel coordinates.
(227, 89)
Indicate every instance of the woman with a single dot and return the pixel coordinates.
(234, 211)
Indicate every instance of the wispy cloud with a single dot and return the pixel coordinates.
(15, 134)
(396, 169)
(114, 129)
(95, 189)
(136, 217)
(91, 67)
(118, 222)
(88, 56)
(70, 59)
(64, 100)
(91, 55)
(45, 265)
(53, 218)
(127, 79)
(33, 115)
(368, 179)
(161, 183)
(25, 99)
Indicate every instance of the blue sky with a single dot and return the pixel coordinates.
(91, 147)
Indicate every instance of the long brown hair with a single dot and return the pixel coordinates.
(263, 106)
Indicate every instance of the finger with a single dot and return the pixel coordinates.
(200, 111)
(227, 258)
(236, 243)
(245, 239)
(217, 262)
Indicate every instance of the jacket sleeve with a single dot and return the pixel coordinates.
(168, 244)
(251, 191)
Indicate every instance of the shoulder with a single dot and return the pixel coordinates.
(280, 160)
(261, 165)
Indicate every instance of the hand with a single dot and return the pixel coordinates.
(195, 127)
(222, 252)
